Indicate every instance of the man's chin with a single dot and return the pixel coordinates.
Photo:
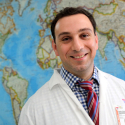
(81, 68)
(78, 69)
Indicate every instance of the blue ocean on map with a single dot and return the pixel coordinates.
(20, 51)
(112, 65)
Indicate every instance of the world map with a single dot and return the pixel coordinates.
(27, 59)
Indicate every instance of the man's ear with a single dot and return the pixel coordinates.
(55, 47)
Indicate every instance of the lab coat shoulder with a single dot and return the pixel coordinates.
(111, 80)
(50, 105)
(111, 86)
(38, 104)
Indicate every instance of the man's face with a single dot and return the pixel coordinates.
(76, 43)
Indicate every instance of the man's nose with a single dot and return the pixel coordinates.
(77, 44)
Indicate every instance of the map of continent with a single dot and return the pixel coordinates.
(27, 59)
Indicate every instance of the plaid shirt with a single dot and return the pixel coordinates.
(80, 93)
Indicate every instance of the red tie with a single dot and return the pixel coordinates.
(92, 101)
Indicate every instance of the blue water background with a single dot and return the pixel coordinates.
(112, 65)
(20, 51)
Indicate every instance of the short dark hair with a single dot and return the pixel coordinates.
(68, 11)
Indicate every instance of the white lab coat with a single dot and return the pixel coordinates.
(55, 104)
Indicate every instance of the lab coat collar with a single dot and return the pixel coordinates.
(56, 76)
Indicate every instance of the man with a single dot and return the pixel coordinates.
(63, 100)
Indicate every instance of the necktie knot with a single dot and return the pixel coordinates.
(87, 85)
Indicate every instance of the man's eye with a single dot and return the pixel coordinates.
(85, 35)
(65, 39)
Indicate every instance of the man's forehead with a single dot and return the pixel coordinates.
(77, 22)
(70, 17)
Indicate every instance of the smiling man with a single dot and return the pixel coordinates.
(78, 93)
(76, 44)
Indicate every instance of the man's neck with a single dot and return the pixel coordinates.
(83, 74)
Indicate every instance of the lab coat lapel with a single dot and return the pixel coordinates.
(102, 99)
(107, 114)
(74, 103)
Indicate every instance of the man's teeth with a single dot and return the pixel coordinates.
(79, 56)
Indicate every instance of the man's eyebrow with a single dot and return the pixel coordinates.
(63, 33)
(85, 29)
(66, 33)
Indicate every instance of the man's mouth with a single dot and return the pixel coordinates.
(77, 57)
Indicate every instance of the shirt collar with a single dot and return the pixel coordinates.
(71, 79)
